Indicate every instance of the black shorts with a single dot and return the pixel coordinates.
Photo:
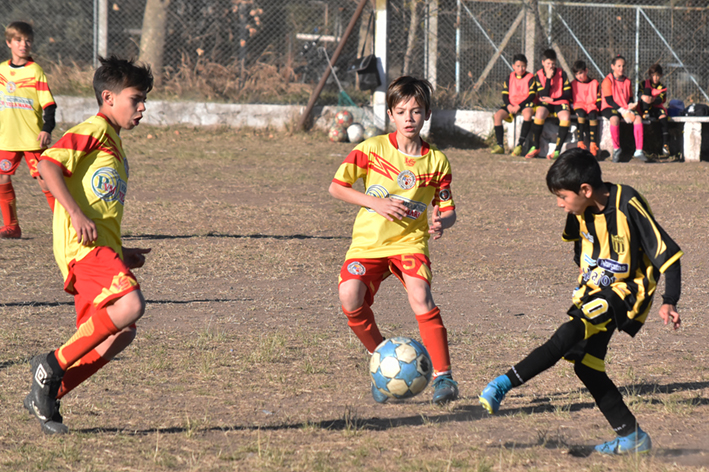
(504, 107)
(599, 314)
(608, 113)
(580, 112)
(654, 112)
(554, 109)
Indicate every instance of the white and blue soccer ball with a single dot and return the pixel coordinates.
(400, 367)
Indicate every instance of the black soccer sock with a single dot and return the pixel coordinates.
(608, 399)
(561, 137)
(526, 126)
(499, 135)
(548, 353)
(581, 128)
(593, 131)
(537, 131)
(664, 125)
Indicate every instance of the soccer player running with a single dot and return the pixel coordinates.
(26, 121)
(621, 251)
(402, 174)
(87, 172)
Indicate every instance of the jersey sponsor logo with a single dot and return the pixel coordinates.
(108, 185)
(11, 87)
(414, 208)
(613, 266)
(619, 246)
(5, 165)
(444, 195)
(596, 276)
(356, 268)
(588, 236)
(406, 179)
(19, 103)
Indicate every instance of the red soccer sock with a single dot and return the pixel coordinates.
(8, 204)
(615, 136)
(362, 323)
(93, 332)
(80, 371)
(638, 133)
(435, 337)
(50, 199)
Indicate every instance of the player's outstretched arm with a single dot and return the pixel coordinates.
(440, 221)
(668, 312)
(52, 175)
(389, 208)
(134, 257)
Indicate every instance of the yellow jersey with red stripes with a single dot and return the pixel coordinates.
(24, 93)
(585, 95)
(622, 248)
(619, 89)
(389, 173)
(96, 172)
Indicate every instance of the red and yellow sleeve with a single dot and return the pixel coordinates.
(354, 167)
(44, 94)
(68, 151)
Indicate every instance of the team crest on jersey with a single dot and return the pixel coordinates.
(356, 268)
(406, 179)
(11, 87)
(588, 236)
(444, 195)
(5, 165)
(409, 162)
(108, 185)
(619, 246)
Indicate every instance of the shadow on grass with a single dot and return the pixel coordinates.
(135, 237)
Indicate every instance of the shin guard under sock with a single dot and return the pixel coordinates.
(8, 204)
(580, 128)
(526, 126)
(435, 337)
(537, 131)
(499, 135)
(362, 323)
(638, 133)
(615, 136)
(90, 334)
(563, 132)
(87, 366)
(593, 131)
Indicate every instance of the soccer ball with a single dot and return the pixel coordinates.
(355, 133)
(337, 134)
(344, 118)
(400, 367)
(371, 132)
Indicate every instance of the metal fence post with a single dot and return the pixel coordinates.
(379, 103)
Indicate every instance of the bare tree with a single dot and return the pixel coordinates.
(152, 39)
(413, 24)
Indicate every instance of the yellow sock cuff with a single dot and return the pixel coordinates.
(581, 120)
(539, 122)
(564, 124)
(593, 122)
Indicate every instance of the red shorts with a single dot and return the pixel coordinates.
(9, 160)
(373, 271)
(98, 279)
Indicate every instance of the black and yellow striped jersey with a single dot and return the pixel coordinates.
(623, 248)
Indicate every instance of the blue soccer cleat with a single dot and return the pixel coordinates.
(492, 395)
(445, 389)
(378, 396)
(637, 442)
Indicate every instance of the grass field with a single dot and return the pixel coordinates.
(244, 361)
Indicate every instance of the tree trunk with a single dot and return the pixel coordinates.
(152, 38)
(413, 24)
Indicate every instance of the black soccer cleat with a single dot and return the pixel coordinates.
(42, 400)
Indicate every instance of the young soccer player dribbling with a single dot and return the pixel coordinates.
(26, 121)
(518, 95)
(621, 251)
(586, 99)
(87, 172)
(402, 174)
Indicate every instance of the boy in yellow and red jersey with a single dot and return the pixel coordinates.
(586, 98)
(518, 94)
(402, 174)
(23, 128)
(616, 103)
(652, 97)
(553, 96)
(87, 172)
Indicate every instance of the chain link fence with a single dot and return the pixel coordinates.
(275, 51)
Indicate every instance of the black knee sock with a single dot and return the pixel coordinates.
(548, 353)
(499, 135)
(593, 131)
(536, 132)
(526, 126)
(561, 137)
(665, 131)
(580, 128)
(608, 399)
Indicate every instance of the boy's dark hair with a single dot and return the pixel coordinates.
(18, 28)
(405, 87)
(574, 167)
(116, 74)
(617, 58)
(655, 69)
(578, 67)
(549, 54)
(519, 57)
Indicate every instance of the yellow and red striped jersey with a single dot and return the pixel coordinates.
(96, 172)
(24, 93)
(622, 248)
(389, 173)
